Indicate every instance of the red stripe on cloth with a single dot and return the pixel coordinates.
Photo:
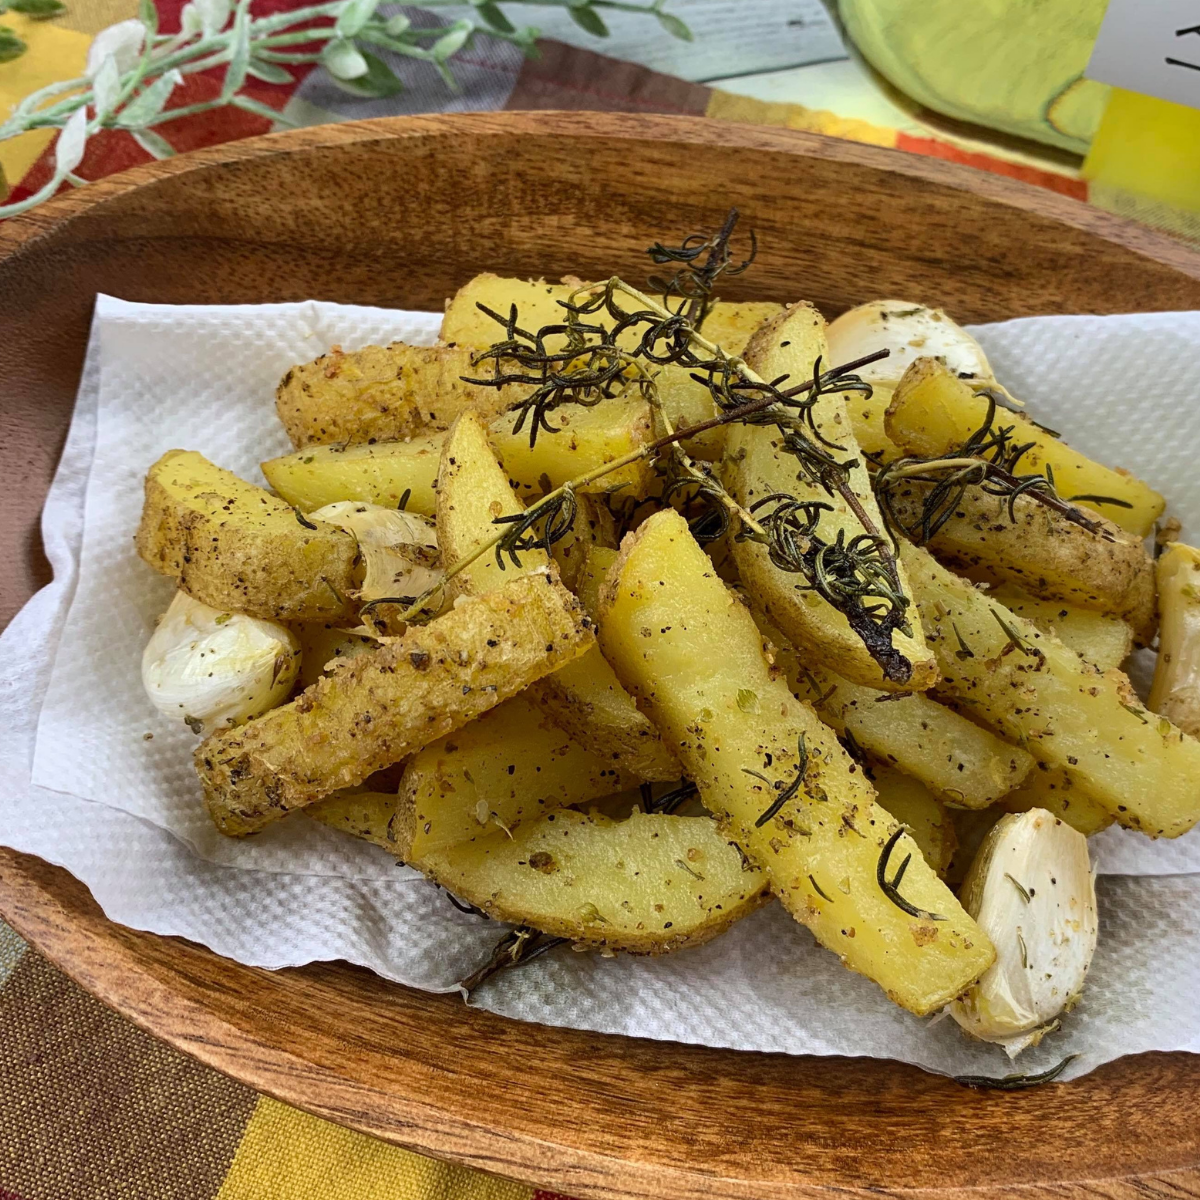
(1075, 188)
(7, 1195)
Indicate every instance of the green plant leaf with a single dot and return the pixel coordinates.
(354, 16)
(250, 105)
(452, 42)
(11, 46)
(148, 103)
(493, 14)
(378, 82)
(239, 58)
(268, 72)
(397, 25)
(343, 60)
(38, 10)
(153, 143)
(675, 27)
(588, 19)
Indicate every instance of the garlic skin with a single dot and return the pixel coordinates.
(213, 669)
(910, 331)
(1032, 891)
(399, 549)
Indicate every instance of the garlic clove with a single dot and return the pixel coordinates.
(213, 669)
(910, 331)
(399, 549)
(1032, 891)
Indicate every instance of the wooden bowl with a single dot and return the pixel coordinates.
(401, 213)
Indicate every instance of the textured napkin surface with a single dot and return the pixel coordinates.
(83, 788)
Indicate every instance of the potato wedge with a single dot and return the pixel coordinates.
(649, 884)
(683, 643)
(756, 467)
(685, 401)
(1039, 551)
(383, 706)
(382, 473)
(585, 699)
(1055, 791)
(958, 761)
(383, 394)
(593, 527)
(369, 816)
(324, 647)
(232, 545)
(920, 812)
(510, 766)
(1034, 690)
(932, 412)
(1102, 638)
(1176, 690)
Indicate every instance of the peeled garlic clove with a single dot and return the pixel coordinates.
(1032, 891)
(213, 668)
(910, 331)
(399, 549)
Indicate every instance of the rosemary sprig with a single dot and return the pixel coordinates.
(1014, 1083)
(891, 887)
(784, 793)
(516, 948)
(989, 460)
(668, 802)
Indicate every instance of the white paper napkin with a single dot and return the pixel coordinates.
(81, 786)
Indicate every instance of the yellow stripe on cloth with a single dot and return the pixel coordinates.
(54, 54)
(288, 1155)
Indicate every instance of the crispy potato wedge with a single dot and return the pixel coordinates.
(585, 698)
(932, 412)
(594, 527)
(1176, 689)
(689, 650)
(1031, 688)
(920, 812)
(1102, 638)
(324, 647)
(649, 884)
(369, 816)
(1055, 791)
(756, 467)
(383, 706)
(383, 473)
(510, 766)
(232, 545)
(685, 401)
(1039, 551)
(958, 761)
(384, 394)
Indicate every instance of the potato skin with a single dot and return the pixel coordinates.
(383, 393)
(1041, 552)
(387, 704)
(232, 545)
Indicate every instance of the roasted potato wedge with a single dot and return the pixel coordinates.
(786, 791)
(920, 812)
(383, 394)
(933, 412)
(1039, 551)
(1031, 688)
(383, 473)
(1176, 690)
(685, 401)
(383, 706)
(756, 468)
(1102, 638)
(369, 816)
(649, 884)
(1055, 791)
(585, 698)
(510, 766)
(232, 545)
(324, 647)
(594, 527)
(953, 757)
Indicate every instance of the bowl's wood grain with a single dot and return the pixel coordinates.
(400, 213)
